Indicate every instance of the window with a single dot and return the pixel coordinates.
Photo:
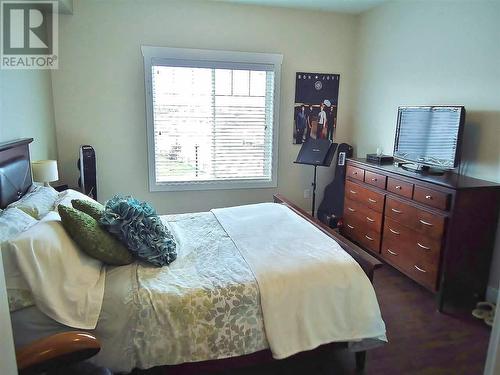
(212, 118)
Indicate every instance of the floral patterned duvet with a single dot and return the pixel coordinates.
(204, 306)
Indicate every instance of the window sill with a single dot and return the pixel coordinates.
(200, 186)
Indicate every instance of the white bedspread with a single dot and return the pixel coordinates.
(312, 291)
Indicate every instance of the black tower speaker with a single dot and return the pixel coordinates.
(87, 166)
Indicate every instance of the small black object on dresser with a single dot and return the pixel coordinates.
(379, 159)
(437, 230)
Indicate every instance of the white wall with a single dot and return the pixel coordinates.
(99, 88)
(27, 111)
(432, 53)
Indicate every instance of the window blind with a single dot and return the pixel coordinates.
(212, 121)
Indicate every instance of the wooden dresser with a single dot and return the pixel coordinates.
(437, 230)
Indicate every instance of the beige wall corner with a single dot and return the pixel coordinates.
(429, 52)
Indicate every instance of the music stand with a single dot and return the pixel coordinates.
(318, 153)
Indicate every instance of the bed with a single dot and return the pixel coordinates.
(210, 308)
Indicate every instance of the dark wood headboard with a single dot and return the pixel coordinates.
(15, 170)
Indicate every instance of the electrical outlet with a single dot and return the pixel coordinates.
(307, 193)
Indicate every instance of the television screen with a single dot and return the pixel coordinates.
(429, 135)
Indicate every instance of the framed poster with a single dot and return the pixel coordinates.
(316, 105)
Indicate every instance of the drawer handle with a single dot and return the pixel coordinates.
(394, 231)
(370, 219)
(353, 192)
(374, 179)
(354, 173)
(351, 209)
(420, 269)
(368, 237)
(396, 211)
(428, 197)
(372, 200)
(350, 226)
(426, 223)
(392, 252)
(398, 187)
(422, 246)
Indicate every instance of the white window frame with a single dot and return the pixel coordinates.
(154, 54)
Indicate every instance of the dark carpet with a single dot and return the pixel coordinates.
(421, 340)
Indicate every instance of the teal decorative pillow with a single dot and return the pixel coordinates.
(92, 238)
(137, 225)
(91, 208)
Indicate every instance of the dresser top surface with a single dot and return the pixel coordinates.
(448, 179)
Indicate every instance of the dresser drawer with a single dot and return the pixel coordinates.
(430, 224)
(361, 194)
(424, 273)
(371, 240)
(405, 189)
(395, 255)
(350, 229)
(412, 242)
(427, 250)
(414, 253)
(372, 219)
(398, 235)
(355, 172)
(375, 179)
(361, 233)
(431, 197)
(401, 212)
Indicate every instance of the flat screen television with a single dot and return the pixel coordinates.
(429, 136)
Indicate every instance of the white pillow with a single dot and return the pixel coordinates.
(51, 216)
(67, 284)
(14, 221)
(37, 202)
(21, 297)
(65, 197)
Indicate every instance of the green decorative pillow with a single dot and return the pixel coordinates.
(92, 238)
(91, 208)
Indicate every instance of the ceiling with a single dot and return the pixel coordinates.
(343, 6)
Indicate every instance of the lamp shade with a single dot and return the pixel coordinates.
(45, 170)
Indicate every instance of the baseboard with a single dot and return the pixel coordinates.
(491, 294)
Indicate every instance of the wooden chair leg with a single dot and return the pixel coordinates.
(360, 361)
(59, 350)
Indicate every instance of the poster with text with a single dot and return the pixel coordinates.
(316, 106)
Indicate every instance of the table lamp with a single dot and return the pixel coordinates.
(45, 171)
